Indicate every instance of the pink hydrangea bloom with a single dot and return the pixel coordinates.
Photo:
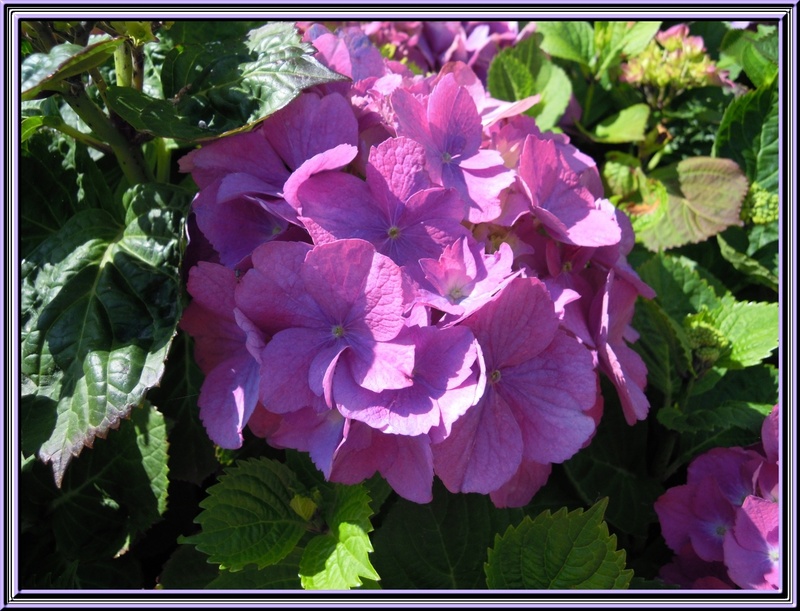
(720, 518)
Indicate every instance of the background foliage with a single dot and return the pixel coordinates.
(121, 487)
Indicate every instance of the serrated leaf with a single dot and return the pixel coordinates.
(752, 268)
(558, 551)
(46, 71)
(612, 467)
(339, 559)
(187, 569)
(222, 88)
(523, 70)
(708, 416)
(115, 491)
(760, 58)
(281, 576)
(705, 196)
(572, 40)
(748, 134)
(246, 518)
(628, 125)
(663, 347)
(682, 287)
(441, 545)
(192, 458)
(751, 327)
(100, 306)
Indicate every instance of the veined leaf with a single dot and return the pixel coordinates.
(704, 197)
(46, 71)
(627, 125)
(748, 134)
(441, 545)
(616, 39)
(100, 306)
(752, 329)
(339, 559)
(732, 246)
(222, 88)
(247, 518)
(558, 551)
(572, 40)
(281, 576)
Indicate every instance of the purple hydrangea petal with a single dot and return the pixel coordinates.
(752, 546)
(227, 398)
(519, 490)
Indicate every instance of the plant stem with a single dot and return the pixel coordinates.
(84, 138)
(128, 155)
(123, 65)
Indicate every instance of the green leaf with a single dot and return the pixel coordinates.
(748, 134)
(47, 71)
(187, 569)
(339, 559)
(441, 545)
(100, 306)
(616, 39)
(192, 458)
(523, 70)
(704, 197)
(760, 58)
(115, 491)
(733, 252)
(714, 417)
(558, 551)
(572, 40)
(281, 576)
(222, 88)
(682, 287)
(628, 125)
(663, 347)
(752, 329)
(612, 467)
(246, 518)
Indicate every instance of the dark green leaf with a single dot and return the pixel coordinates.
(281, 576)
(247, 518)
(192, 458)
(748, 134)
(557, 552)
(704, 197)
(441, 545)
(187, 569)
(115, 491)
(612, 467)
(221, 88)
(100, 306)
(47, 71)
(734, 252)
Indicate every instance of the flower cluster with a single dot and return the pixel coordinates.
(672, 63)
(403, 275)
(723, 523)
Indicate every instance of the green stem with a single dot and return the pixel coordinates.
(123, 64)
(163, 158)
(128, 155)
(84, 138)
(587, 106)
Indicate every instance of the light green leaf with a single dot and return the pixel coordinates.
(100, 306)
(558, 551)
(752, 329)
(441, 545)
(572, 40)
(224, 87)
(47, 71)
(339, 559)
(704, 197)
(628, 125)
(760, 58)
(246, 518)
(616, 39)
(748, 134)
